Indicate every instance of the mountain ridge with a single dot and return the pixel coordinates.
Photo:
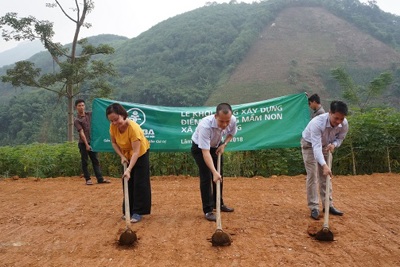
(299, 43)
(22, 51)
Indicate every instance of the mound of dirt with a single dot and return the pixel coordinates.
(63, 222)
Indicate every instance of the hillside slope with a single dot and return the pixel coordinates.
(292, 52)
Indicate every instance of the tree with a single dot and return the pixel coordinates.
(359, 95)
(76, 66)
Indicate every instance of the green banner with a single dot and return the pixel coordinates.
(273, 123)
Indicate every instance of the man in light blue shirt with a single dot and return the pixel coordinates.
(206, 145)
(322, 135)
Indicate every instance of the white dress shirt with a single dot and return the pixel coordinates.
(208, 134)
(320, 133)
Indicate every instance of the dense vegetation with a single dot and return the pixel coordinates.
(181, 62)
(372, 145)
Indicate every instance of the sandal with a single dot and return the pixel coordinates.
(136, 218)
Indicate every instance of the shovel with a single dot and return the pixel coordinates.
(128, 237)
(219, 238)
(325, 234)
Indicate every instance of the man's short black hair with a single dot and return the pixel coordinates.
(314, 98)
(339, 106)
(79, 101)
(224, 107)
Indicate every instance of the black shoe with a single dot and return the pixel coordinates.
(210, 216)
(104, 182)
(315, 214)
(334, 211)
(226, 209)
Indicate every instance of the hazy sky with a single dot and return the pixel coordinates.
(122, 17)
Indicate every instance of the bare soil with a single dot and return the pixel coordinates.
(63, 222)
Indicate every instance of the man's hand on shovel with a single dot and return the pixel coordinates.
(216, 176)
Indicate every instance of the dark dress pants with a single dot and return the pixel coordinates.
(207, 185)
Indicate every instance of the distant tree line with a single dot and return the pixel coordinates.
(372, 146)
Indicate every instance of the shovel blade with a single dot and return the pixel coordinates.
(220, 238)
(127, 238)
(324, 235)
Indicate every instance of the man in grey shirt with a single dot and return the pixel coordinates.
(322, 135)
(314, 102)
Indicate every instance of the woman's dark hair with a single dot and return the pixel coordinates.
(339, 106)
(117, 109)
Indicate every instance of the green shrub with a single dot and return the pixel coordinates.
(372, 145)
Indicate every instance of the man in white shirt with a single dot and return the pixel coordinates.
(323, 133)
(206, 145)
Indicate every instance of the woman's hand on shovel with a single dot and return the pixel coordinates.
(124, 160)
(127, 171)
(127, 174)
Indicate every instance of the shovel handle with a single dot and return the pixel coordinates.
(218, 197)
(327, 190)
(126, 199)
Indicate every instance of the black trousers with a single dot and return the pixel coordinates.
(139, 188)
(84, 161)
(207, 185)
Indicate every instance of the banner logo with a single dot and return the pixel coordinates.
(137, 115)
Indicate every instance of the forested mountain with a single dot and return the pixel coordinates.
(44, 61)
(228, 52)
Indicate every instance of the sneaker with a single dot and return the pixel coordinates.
(210, 216)
(136, 218)
(104, 182)
(89, 182)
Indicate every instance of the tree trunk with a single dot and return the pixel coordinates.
(70, 115)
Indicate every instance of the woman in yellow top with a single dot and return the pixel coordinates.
(129, 142)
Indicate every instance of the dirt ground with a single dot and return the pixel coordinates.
(63, 222)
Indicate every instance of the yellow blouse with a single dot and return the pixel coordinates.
(124, 140)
